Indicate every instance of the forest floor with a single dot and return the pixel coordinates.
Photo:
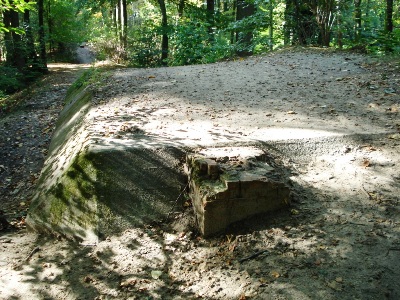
(331, 119)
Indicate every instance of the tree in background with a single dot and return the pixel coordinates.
(179, 32)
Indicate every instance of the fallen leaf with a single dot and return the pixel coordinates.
(366, 163)
(128, 282)
(334, 285)
(294, 212)
(156, 274)
(88, 279)
(275, 274)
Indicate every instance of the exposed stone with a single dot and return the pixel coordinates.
(230, 184)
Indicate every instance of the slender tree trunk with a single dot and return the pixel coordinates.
(181, 6)
(271, 25)
(164, 24)
(300, 25)
(30, 45)
(244, 10)
(125, 24)
(339, 28)
(42, 38)
(225, 5)
(389, 16)
(119, 21)
(287, 30)
(50, 25)
(324, 15)
(234, 9)
(210, 15)
(357, 19)
(18, 55)
(8, 41)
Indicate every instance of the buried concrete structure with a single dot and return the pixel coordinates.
(92, 187)
(230, 184)
(107, 171)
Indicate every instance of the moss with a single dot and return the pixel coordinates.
(75, 194)
(94, 76)
(57, 205)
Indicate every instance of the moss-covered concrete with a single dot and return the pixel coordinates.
(88, 190)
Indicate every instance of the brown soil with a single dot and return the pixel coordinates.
(330, 119)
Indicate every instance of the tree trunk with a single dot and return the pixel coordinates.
(288, 27)
(181, 6)
(210, 16)
(119, 21)
(125, 14)
(389, 16)
(234, 9)
(164, 24)
(271, 25)
(8, 42)
(303, 22)
(18, 51)
(30, 45)
(244, 10)
(42, 38)
(357, 19)
(339, 28)
(324, 15)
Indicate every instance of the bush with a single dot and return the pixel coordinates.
(10, 79)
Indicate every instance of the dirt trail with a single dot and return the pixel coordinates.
(330, 119)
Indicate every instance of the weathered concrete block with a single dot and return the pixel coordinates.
(225, 191)
(92, 187)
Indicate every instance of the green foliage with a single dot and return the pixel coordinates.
(144, 45)
(16, 5)
(191, 43)
(10, 79)
(67, 25)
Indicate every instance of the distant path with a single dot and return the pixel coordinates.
(84, 55)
